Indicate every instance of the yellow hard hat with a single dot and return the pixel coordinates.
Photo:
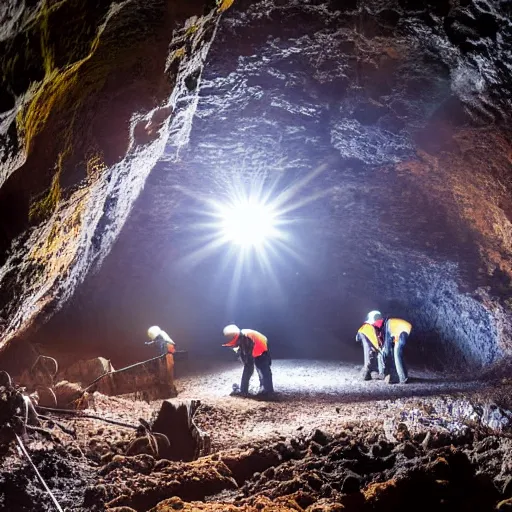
(153, 332)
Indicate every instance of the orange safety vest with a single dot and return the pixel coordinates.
(260, 342)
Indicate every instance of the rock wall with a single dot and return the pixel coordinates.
(406, 107)
(406, 104)
(90, 92)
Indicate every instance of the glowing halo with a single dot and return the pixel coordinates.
(248, 222)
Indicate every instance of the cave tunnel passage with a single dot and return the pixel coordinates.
(283, 94)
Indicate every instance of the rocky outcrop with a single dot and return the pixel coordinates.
(357, 469)
(405, 107)
(90, 92)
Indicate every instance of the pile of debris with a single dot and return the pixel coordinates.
(438, 453)
(72, 388)
(46, 461)
(356, 469)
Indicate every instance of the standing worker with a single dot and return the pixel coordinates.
(165, 346)
(384, 339)
(252, 348)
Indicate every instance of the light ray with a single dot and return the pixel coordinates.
(193, 259)
(236, 279)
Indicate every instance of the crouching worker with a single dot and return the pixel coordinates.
(384, 340)
(164, 346)
(163, 343)
(396, 332)
(370, 335)
(252, 349)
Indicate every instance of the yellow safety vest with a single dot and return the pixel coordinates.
(369, 331)
(396, 326)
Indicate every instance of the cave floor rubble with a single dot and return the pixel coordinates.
(327, 442)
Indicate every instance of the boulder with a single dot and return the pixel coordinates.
(69, 395)
(87, 371)
(187, 441)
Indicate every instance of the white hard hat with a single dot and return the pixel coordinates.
(153, 332)
(231, 330)
(373, 316)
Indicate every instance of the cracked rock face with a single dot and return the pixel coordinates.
(90, 92)
(406, 108)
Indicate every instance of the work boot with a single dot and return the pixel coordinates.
(366, 374)
(237, 391)
(264, 395)
(264, 392)
(390, 379)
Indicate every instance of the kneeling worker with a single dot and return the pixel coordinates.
(252, 348)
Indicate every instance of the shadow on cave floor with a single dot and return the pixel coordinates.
(315, 381)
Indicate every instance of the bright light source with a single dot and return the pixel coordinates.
(248, 223)
(251, 222)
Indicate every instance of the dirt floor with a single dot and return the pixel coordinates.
(327, 442)
(309, 394)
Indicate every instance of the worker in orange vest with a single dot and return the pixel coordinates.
(165, 346)
(252, 348)
(161, 340)
(383, 340)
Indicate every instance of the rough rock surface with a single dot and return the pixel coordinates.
(355, 468)
(407, 108)
(90, 92)
(301, 453)
(407, 105)
(86, 372)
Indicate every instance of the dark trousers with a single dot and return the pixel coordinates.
(263, 364)
(400, 367)
(373, 360)
(394, 357)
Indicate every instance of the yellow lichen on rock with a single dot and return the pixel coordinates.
(224, 5)
(42, 209)
(95, 165)
(55, 250)
(32, 119)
